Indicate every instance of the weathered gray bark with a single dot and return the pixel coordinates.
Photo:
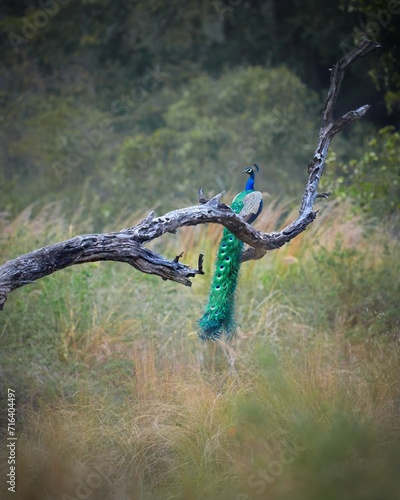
(127, 244)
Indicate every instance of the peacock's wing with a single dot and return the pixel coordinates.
(248, 204)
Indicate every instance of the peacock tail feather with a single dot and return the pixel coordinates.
(219, 312)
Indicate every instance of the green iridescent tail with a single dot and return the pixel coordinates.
(219, 312)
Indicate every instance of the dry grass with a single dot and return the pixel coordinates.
(120, 400)
(180, 432)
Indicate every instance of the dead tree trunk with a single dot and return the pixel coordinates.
(127, 245)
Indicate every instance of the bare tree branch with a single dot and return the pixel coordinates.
(127, 244)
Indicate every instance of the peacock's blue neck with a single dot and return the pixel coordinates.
(250, 183)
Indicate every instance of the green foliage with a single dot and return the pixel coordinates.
(372, 182)
(340, 275)
(216, 108)
(161, 150)
(215, 127)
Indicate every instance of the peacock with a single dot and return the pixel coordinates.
(219, 313)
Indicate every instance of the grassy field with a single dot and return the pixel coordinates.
(117, 398)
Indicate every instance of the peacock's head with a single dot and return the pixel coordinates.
(250, 170)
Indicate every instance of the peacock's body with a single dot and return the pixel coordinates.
(219, 313)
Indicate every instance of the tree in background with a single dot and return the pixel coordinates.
(373, 181)
(380, 20)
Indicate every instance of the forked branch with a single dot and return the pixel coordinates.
(127, 245)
